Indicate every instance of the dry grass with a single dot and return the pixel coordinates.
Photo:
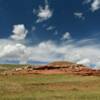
(49, 87)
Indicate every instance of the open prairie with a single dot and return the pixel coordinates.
(49, 87)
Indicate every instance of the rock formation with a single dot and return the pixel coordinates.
(57, 67)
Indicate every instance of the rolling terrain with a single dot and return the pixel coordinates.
(15, 85)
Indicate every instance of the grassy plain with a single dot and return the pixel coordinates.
(49, 87)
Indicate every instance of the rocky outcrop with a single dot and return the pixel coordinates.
(60, 67)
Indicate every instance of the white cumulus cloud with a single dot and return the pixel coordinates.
(79, 52)
(85, 61)
(11, 50)
(95, 5)
(19, 32)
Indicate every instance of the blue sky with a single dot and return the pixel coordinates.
(48, 30)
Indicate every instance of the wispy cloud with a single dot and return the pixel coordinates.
(43, 13)
(33, 28)
(86, 1)
(50, 28)
(79, 15)
(56, 32)
(66, 36)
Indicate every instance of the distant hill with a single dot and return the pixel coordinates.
(64, 64)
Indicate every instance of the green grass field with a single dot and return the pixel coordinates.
(49, 87)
